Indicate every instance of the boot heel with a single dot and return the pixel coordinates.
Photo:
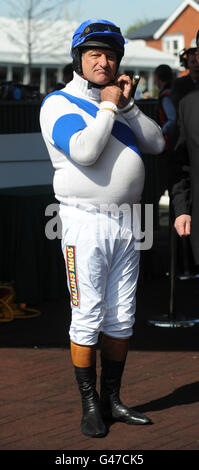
(110, 400)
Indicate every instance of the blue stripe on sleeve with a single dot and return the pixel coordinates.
(125, 135)
(64, 128)
(90, 108)
(120, 131)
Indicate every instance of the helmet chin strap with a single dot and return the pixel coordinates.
(94, 85)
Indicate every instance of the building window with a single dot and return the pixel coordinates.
(51, 79)
(193, 42)
(35, 76)
(173, 43)
(175, 47)
(17, 74)
(3, 73)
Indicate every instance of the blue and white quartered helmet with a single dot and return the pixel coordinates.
(96, 33)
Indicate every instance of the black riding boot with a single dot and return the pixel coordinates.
(92, 423)
(112, 407)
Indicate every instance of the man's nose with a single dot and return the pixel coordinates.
(103, 60)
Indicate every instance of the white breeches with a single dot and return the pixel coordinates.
(102, 272)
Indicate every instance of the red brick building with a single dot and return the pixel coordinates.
(173, 34)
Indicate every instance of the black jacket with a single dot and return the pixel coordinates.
(181, 87)
(184, 168)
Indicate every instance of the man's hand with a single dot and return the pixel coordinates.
(124, 82)
(182, 225)
(111, 93)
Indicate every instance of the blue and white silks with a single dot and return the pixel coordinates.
(69, 124)
(96, 148)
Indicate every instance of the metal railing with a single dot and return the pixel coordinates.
(18, 117)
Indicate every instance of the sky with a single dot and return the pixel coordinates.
(122, 12)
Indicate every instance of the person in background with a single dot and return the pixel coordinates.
(68, 73)
(163, 77)
(181, 87)
(67, 77)
(166, 116)
(184, 171)
(184, 85)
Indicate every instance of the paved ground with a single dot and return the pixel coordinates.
(40, 406)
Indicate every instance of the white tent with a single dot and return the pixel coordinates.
(139, 55)
(51, 41)
(27, 153)
(51, 49)
(142, 60)
(55, 47)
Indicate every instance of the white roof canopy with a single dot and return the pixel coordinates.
(138, 54)
(51, 43)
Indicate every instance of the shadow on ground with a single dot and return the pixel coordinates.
(184, 395)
